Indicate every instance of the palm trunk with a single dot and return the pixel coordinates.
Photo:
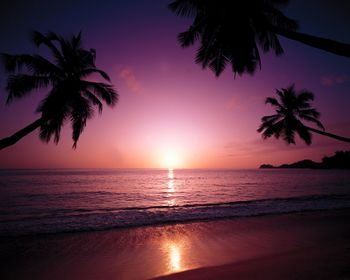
(327, 45)
(344, 139)
(14, 138)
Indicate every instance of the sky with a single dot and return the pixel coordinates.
(171, 112)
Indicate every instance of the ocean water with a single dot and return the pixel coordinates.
(65, 200)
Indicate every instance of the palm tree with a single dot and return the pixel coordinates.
(71, 97)
(291, 108)
(231, 32)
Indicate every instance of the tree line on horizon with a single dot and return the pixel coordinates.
(229, 33)
(340, 160)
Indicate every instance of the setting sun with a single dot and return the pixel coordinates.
(172, 139)
(171, 159)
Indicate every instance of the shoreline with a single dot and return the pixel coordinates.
(172, 223)
(299, 264)
(183, 221)
(212, 247)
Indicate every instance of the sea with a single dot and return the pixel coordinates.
(49, 201)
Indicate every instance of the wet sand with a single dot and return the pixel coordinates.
(311, 245)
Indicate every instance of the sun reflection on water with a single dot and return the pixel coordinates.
(170, 173)
(174, 257)
(177, 253)
(171, 188)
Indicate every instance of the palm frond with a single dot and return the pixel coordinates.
(39, 39)
(52, 128)
(304, 98)
(94, 100)
(13, 63)
(55, 111)
(312, 119)
(268, 41)
(280, 93)
(277, 18)
(305, 95)
(35, 64)
(310, 112)
(275, 129)
(188, 37)
(86, 58)
(81, 112)
(88, 71)
(273, 101)
(104, 91)
(274, 117)
(218, 63)
(291, 108)
(304, 133)
(184, 8)
(288, 135)
(20, 85)
(235, 27)
(76, 41)
(71, 96)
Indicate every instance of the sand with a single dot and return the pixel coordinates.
(311, 245)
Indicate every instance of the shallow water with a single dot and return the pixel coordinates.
(319, 239)
(41, 201)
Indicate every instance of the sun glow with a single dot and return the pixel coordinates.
(171, 188)
(176, 253)
(174, 257)
(171, 159)
(170, 174)
(173, 251)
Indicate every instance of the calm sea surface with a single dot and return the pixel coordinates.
(48, 201)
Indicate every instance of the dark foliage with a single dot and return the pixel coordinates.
(341, 160)
(291, 109)
(71, 97)
(235, 32)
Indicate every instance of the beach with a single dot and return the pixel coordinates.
(304, 245)
(167, 140)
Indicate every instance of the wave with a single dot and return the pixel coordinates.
(302, 198)
(70, 220)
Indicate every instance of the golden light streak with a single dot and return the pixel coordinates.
(174, 253)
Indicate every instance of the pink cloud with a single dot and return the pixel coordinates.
(330, 80)
(127, 74)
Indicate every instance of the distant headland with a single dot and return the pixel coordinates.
(341, 160)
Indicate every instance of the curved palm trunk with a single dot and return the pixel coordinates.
(344, 139)
(14, 138)
(328, 45)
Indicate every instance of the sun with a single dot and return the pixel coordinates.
(171, 159)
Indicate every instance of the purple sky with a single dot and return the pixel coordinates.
(171, 112)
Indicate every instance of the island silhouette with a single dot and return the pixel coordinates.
(340, 160)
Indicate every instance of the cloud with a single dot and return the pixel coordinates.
(330, 80)
(127, 74)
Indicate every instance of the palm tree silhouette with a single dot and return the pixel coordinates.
(71, 97)
(231, 32)
(291, 108)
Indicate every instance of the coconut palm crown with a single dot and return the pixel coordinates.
(292, 108)
(71, 96)
(234, 32)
